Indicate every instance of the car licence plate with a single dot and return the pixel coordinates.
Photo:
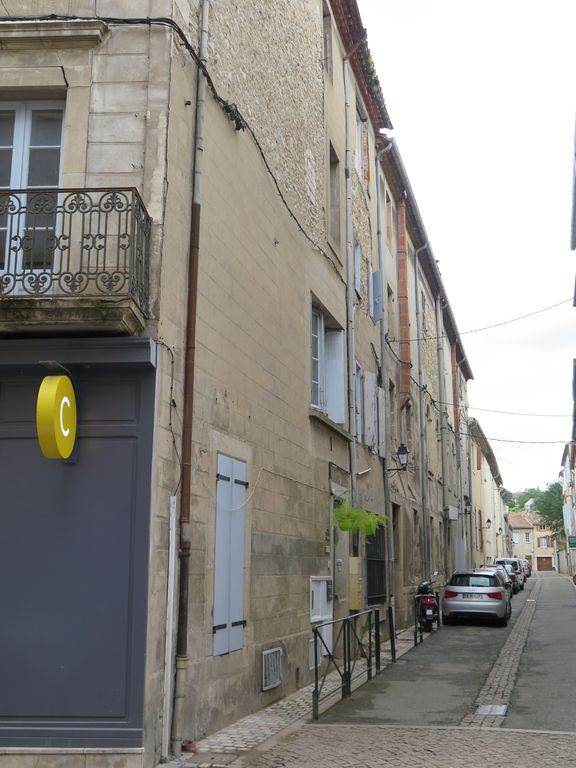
(470, 596)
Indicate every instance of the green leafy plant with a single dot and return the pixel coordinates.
(349, 518)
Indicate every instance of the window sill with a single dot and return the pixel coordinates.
(338, 428)
(23, 35)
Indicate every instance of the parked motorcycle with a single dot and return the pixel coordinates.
(427, 605)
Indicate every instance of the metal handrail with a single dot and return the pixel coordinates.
(355, 644)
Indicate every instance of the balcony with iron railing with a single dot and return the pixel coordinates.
(73, 260)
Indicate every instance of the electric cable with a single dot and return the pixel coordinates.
(230, 109)
(486, 327)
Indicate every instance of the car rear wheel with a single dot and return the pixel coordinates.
(447, 619)
(503, 621)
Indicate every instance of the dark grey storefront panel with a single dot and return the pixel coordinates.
(73, 563)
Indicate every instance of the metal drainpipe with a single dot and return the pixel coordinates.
(182, 658)
(350, 287)
(471, 518)
(423, 457)
(462, 515)
(443, 425)
(384, 382)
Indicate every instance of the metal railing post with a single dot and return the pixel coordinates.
(377, 647)
(315, 712)
(346, 687)
(392, 633)
(369, 662)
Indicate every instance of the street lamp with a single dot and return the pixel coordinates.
(402, 454)
(402, 458)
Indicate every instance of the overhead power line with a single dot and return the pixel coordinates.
(488, 327)
(523, 442)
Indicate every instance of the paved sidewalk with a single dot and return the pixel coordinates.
(224, 746)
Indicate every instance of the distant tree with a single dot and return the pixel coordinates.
(550, 507)
(524, 496)
(516, 503)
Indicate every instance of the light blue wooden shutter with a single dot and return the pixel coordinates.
(237, 515)
(334, 367)
(228, 615)
(377, 306)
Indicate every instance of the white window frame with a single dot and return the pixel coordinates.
(23, 112)
(328, 392)
(22, 133)
(317, 332)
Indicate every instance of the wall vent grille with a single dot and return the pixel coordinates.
(271, 668)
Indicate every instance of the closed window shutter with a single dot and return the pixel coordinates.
(228, 614)
(237, 522)
(334, 371)
(371, 411)
(381, 422)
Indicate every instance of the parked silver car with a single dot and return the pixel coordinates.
(507, 574)
(473, 594)
(516, 565)
(513, 576)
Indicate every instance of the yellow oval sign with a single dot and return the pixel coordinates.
(56, 417)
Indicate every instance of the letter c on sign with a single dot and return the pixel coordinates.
(56, 417)
(65, 401)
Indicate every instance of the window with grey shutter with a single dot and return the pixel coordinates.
(228, 615)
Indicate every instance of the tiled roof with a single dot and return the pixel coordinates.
(349, 23)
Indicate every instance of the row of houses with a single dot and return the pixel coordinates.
(207, 227)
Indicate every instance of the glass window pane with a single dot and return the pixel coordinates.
(6, 128)
(5, 167)
(315, 393)
(44, 168)
(46, 128)
(38, 249)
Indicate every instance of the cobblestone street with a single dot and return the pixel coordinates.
(431, 709)
(369, 746)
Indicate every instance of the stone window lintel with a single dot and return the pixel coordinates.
(23, 35)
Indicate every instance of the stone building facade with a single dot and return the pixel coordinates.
(232, 269)
(491, 534)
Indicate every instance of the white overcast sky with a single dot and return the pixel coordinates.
(482, 96)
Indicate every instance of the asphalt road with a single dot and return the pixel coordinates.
(543, 695)
(436, 683)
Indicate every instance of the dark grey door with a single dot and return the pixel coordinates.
(73, 563)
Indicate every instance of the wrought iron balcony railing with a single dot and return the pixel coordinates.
(89, 243)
